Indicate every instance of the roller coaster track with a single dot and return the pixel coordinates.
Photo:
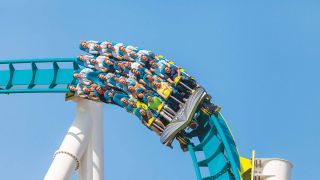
(218, 147)
(216, 142)
(31, 79)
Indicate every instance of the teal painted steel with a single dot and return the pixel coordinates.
(217, 144)
(40, 60)
(194, 160)
(32, 79)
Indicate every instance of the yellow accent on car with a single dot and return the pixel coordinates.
(150, 121)
(167, 93)
(69, 96)
(164, 91)
(160, 56)
(177, 80)
(142, 105)
(182, 140)
(160, 107)
(205, 111)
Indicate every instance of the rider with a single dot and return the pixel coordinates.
(88, 46)
(98, 63)
(84, 60)
(168, 93)
(150, 121)
(82, 76)
(110, 50)
(121, 99)
(173, 74)
(155, 103)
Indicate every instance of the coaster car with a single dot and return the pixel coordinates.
(184, 115)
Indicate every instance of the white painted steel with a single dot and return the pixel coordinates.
(97, 142)
(74, 143)
(85, 170)
(92, 161)
(272, 169)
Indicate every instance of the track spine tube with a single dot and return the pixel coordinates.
(227, 147)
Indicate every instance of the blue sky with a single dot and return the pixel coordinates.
(258, 59)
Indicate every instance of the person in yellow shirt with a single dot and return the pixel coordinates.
(174, 99)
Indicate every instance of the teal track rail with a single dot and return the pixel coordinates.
(31, 79)
(221, 156)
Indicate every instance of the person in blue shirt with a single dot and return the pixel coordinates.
(112, 79)
(157, 67)
(127, 67)
(109, 64)
(120, 68)
(171, 73)
(132, 105)
(121, 99)
(184, 84)
(140, 92)
(109, 95)
(122, 84)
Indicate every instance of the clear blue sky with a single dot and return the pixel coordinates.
(259, 60)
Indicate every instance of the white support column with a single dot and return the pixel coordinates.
(74, 144)
(97, 142)
(92, 161)
(85, 169)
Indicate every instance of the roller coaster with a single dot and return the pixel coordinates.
(211, 137)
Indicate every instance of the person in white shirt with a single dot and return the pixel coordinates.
(132, 53)
(82, 76)
(98, 63)
(110, 50)
(136, 65)
(84, 60)
(119, 53)
(88, 46)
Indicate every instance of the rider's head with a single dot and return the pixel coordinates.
(77, 75)
(167, 69)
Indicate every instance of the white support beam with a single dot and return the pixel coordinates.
(92, 160)
(75, 144)
(85, 169)
(97, 142)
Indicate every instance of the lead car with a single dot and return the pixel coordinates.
(185, 118)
